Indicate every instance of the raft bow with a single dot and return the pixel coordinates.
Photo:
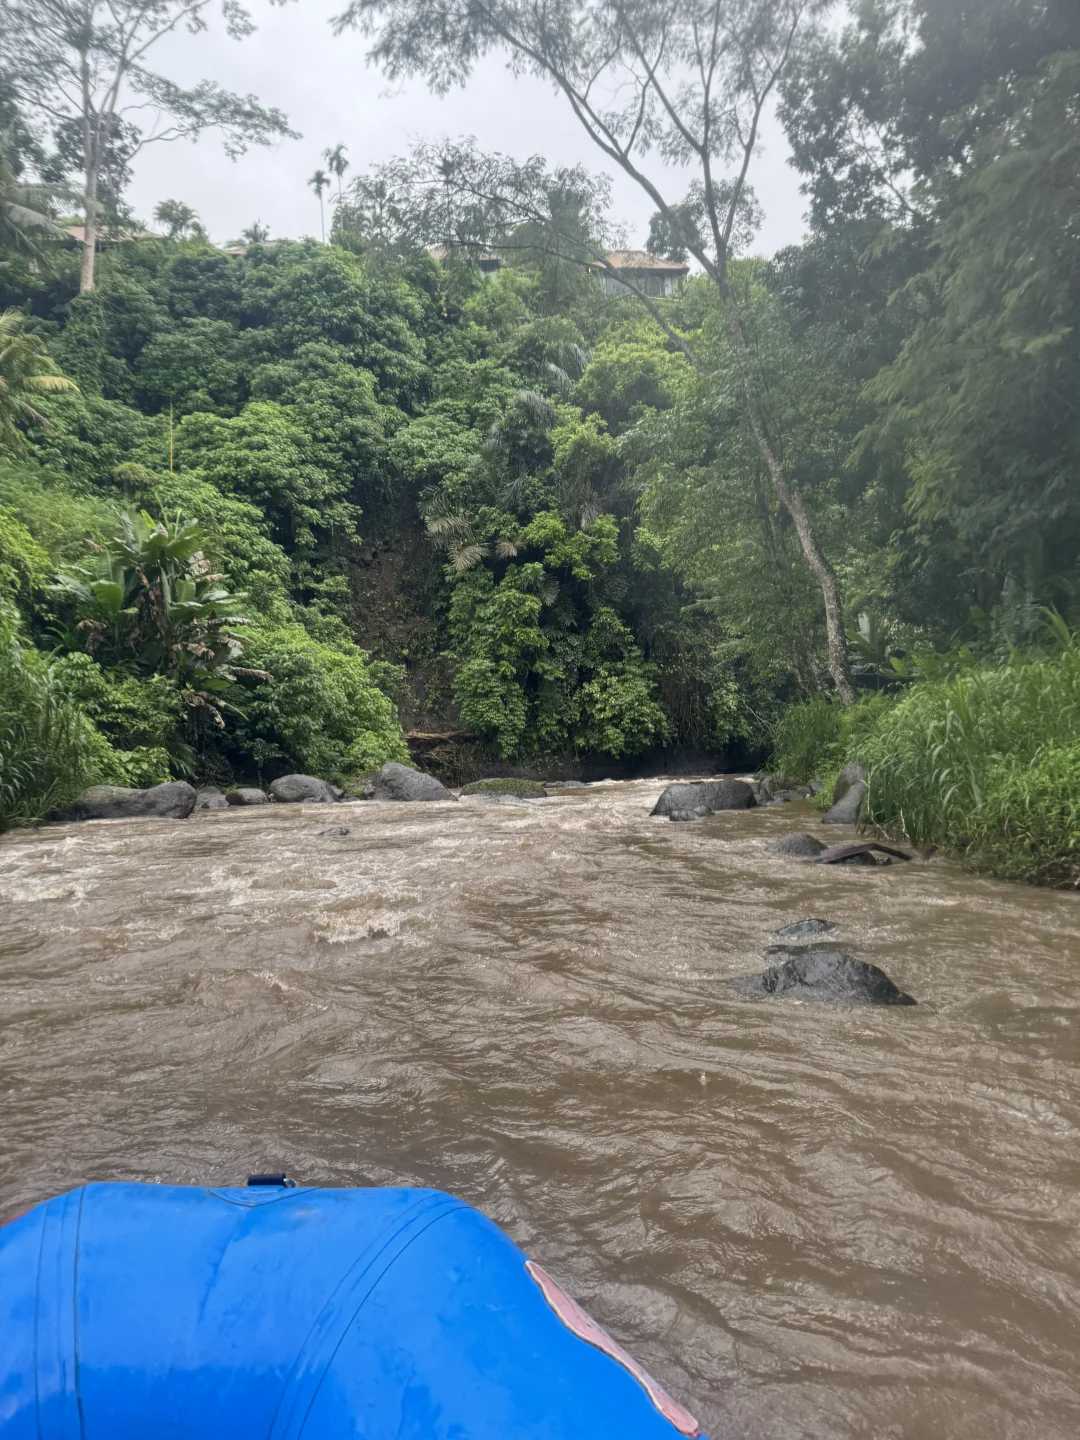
(136, 1312)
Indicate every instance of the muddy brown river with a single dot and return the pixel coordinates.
(808, 1222)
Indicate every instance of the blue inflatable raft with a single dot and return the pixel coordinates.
(148, 1312)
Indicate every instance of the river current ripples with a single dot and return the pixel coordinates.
(808, 1222)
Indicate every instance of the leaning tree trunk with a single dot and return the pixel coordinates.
(792, 501)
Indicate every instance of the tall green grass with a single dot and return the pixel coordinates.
(49, 750)
(813, 740)
(985, 763)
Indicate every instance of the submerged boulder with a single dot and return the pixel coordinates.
(801, 846)
(861, 853)
(296, 789)
(247, 795)
(693, 802)
(210, 798)
(510, 787)
(820, 972)
(175, 800)
(399, 782)
(804, 929)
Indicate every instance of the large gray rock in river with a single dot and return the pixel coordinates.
(295, 789)
(210, 798)
(820, 972)
(849, 796)
(398, 782)
(175, 800)
(692, 802)
(247, 795)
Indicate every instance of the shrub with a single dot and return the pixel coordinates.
(620, 715)
(814, 739)
(988, 764)
(130, 711)
(985, 761)
(49, 750)
(24, 565)
(320, 710)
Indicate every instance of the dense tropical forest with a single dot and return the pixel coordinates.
(267, 507)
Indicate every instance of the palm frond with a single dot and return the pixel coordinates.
(466, 557)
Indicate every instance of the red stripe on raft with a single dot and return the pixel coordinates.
(584, 1326)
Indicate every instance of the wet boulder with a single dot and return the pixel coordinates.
(399, 782)
(247, 795)
(693, 802)
(849, 796)
(822, 973)
(807, 929)
(298, 789)
(779, 789)
(210, 798)
(799, 846)
(175, 800)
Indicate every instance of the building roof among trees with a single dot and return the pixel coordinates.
(643, 260)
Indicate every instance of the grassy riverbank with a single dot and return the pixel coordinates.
(984, 762)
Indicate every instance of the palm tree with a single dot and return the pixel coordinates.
(256, 233)
(26, 369)
(24, 218)
(319, 182)
(336, 164)
(180, 220)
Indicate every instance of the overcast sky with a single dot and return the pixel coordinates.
(330, 94)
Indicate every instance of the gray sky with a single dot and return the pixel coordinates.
(330, 94)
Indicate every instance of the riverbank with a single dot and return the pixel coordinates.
(984, 763)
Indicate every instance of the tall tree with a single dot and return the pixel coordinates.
(337, 164)
(86, 63)
(319, 182)
(688, 80)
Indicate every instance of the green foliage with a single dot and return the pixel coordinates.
(522, 490)
(815, 739)
(624, 381)
(236, 529)
(49, 750)
(320, 709)
(149, 598)
(263, 455)
(27, 372)
(24, 565)
(134, 714)
(984, 761)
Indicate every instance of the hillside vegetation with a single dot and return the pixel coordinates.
(267, 509)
